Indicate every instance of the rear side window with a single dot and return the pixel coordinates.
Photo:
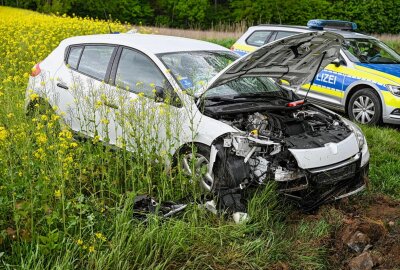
(284, 34)
(258, 38)
(73, 57)
(95, 60)
(138, 73)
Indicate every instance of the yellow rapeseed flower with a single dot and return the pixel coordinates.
(79, 242)
(105, 121)
(57, 193)
(55, 117)
(98, 104)
(34, 96)
(96, 139)
(41, 138)
(40, 154)
(3, 134)
(100, 236)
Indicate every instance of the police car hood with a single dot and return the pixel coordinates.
(294, 59)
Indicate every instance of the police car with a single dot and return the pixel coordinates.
(364, 82)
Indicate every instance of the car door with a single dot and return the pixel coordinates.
(147, 114)
(327, 88)
(81, 84)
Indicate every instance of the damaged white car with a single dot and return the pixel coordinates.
(249, 129)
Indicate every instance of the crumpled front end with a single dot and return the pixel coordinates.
(312, 156)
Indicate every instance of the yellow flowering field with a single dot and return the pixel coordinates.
(55, 192)
(67, 203)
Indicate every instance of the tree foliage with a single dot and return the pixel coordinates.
(377, 16)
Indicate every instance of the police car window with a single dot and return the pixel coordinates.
(283, 34)
(95, 59)
(138, 73)
(73, 56)
(370, 51)
(258, 38)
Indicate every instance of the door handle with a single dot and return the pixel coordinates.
(111, 105)
(63, 86)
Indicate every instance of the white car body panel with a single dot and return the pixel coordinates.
(329, 154)
(202, 130)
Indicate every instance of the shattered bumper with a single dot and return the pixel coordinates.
(327, 184)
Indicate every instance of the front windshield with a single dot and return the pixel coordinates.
(194, 69)
(369, 51)
(247, 87)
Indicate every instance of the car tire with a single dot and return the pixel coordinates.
(365, 107)
(197, 158)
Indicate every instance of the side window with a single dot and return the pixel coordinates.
(284, 34)
(137, 73)
(95, 59)
(258, 38)
(73, 56)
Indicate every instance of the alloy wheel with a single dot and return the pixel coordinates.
(363, 109)
(200, 164)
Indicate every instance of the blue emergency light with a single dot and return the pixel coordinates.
(332, 24)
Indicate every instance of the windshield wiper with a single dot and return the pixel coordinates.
(219, 98)
(258, 95)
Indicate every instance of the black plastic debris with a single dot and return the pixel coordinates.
(232, 202)
(144, 205)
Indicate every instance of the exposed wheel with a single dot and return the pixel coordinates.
(365, 107)
(195, 163)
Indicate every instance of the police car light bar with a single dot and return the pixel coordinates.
(332, 24)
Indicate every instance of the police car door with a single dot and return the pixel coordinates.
(327, 88)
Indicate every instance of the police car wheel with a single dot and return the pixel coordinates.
(365, 107)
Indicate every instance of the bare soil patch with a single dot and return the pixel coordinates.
(368, 236)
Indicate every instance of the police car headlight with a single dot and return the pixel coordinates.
(394, 89)
(357, 131)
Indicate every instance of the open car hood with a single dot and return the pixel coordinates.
(294, 59)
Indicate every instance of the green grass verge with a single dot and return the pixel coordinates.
(384, 146)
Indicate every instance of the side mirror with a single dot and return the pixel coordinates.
(159, 94)
(338, 62)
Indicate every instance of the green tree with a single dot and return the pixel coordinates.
(373, 16)
(184, 13)
(132, 11)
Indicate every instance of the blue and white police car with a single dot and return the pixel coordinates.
(364, 82)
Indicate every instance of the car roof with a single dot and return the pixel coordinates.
(302, 29)
(148, 42)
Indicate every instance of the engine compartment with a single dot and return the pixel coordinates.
(265, 137)
(303, 128)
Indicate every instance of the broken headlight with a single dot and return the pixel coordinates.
(282, 174)
(357, 131)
